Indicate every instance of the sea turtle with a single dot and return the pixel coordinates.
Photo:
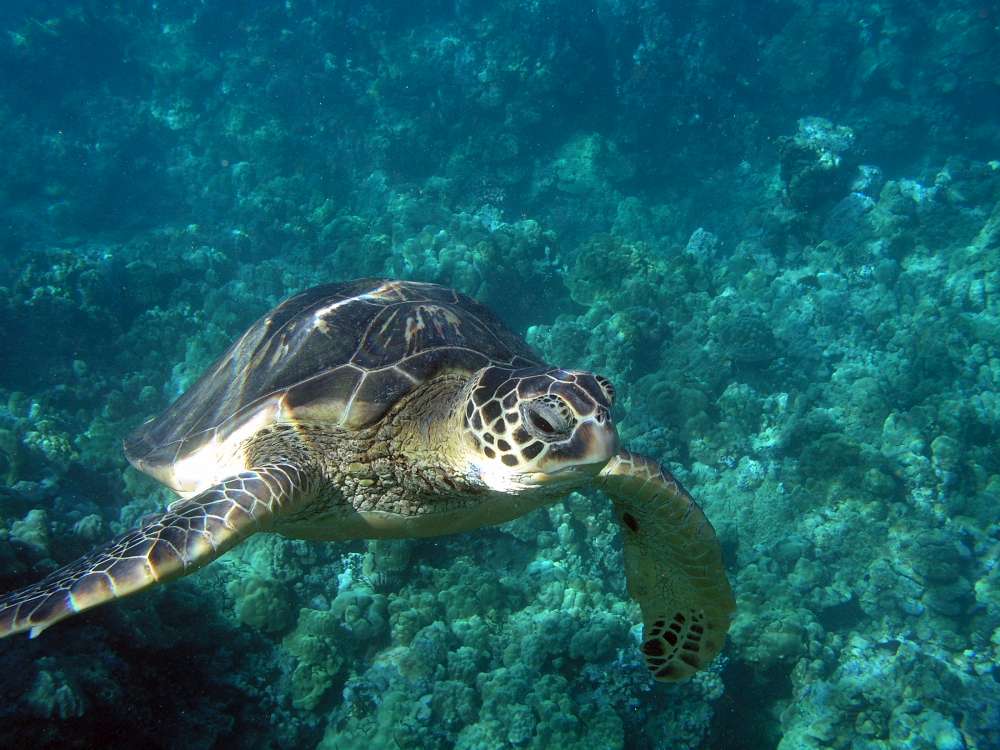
(389, 409)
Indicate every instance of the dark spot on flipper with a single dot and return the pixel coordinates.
(691, 660)
(490, 453)
(102, 566)
(247, 503)
(509, 460)
(218, 508)
(129, 575)
(238, 515)
(252, 484)
(631, 522)
(196, 523)
(54, 606)
(653, 647)
(91, 589)
(175, 535)
(668, 672)
(670, 638)
(163, 556)
(137, 548)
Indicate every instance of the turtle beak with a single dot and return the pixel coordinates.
(594, 442)
(599, 442)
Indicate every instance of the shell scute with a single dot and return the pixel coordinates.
(327, 393)
(340, 353)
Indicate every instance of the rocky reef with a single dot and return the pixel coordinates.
(790, 269)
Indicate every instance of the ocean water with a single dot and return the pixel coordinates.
(773, 225)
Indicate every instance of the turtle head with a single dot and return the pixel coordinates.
(537, 426)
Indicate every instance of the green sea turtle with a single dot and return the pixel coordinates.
(388, 409)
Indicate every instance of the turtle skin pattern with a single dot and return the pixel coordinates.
(673, 567)
(188, 536)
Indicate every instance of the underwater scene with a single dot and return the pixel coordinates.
(455, 302)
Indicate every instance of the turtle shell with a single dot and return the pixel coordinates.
(338, 354)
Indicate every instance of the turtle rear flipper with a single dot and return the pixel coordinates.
(673, 567)
(189, 535)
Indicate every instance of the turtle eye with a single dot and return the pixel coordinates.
(548, 418)
(541, 423)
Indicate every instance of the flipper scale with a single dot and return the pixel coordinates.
(673, 567)
(190, 534)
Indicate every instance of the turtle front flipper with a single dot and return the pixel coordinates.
(673, 567)
(189, 535)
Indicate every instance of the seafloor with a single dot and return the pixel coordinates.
(774, 224)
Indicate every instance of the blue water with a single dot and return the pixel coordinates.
(774, 226)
